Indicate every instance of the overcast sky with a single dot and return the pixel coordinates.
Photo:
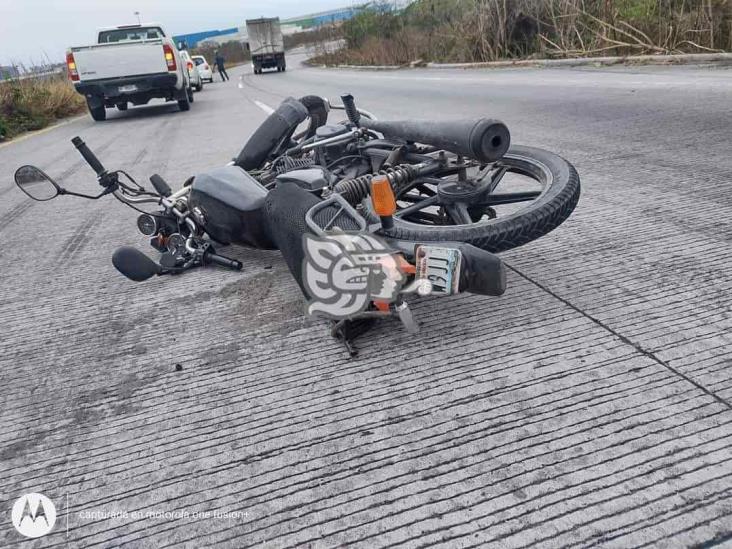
(28, 28)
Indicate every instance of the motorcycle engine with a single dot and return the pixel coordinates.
(313, 179)
(329, 153)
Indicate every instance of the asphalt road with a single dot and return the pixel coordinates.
(588, 405)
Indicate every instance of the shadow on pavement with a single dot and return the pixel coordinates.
(143, 111)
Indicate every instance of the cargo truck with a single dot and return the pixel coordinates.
(265, 44)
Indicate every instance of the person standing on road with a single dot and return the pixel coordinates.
(219, 60)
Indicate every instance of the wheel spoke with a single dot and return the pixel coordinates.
(426, 217)
(459, 213)
(411, 198)
(424, 189)
(420, 185)
(508, 198)
(496, 178)
(427, 202)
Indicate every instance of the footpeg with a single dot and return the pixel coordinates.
(346, 331)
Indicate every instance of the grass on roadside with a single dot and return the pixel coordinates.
(34, 103)
(490, 30)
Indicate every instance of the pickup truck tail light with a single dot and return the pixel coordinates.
(169, 57)
(71, 66)
(190, 66)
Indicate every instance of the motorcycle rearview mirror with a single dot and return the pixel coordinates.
(134, 264)
(36, 184)
(39, 186)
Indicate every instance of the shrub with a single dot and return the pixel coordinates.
(233, 51)
(487, 30)
(33, 103)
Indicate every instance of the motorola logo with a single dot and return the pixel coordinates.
(33, 515)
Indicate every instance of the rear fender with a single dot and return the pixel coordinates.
(481, 272)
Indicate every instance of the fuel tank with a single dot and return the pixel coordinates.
(231, 202)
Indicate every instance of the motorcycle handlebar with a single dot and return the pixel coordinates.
(89, 156)
(215, 259)
(161, 186)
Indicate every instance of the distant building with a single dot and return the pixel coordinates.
(238, 34)
(289, 26)
(7, 72)
(330, 17)
(217, 36)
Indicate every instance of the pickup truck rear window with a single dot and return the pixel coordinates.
(130, 35)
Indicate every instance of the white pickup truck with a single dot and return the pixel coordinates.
(129, 64)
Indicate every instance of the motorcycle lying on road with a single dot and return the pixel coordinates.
(365, 212)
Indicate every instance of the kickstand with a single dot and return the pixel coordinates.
(346, 331)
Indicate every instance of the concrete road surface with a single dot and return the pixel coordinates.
(590, 405)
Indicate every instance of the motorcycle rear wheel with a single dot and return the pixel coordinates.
(546, 210)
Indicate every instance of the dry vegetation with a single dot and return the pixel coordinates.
(234, 53)
(488, 30)
(34, 103)
(313, 37)
(449, 31)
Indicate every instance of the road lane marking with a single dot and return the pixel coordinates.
(266, 108)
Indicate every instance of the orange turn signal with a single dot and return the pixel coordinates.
(382, 196)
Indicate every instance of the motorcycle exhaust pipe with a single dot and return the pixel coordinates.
(486, 140)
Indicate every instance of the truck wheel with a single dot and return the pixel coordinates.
(185, 103)
(284, 68)
(200, 86)
(99, 114)
(190, 94)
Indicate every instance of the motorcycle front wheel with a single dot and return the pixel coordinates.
(532, 192)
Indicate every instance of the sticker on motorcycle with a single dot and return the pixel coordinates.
(344, 272)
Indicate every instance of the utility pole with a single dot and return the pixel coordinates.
(137, 14)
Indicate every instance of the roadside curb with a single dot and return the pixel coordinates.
(363, 67)
(681, 59)
(25, 135)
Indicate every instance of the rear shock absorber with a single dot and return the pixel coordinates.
(356, 189)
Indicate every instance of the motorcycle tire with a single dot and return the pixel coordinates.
(555, 204)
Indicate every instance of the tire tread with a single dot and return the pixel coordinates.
(512, 233)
